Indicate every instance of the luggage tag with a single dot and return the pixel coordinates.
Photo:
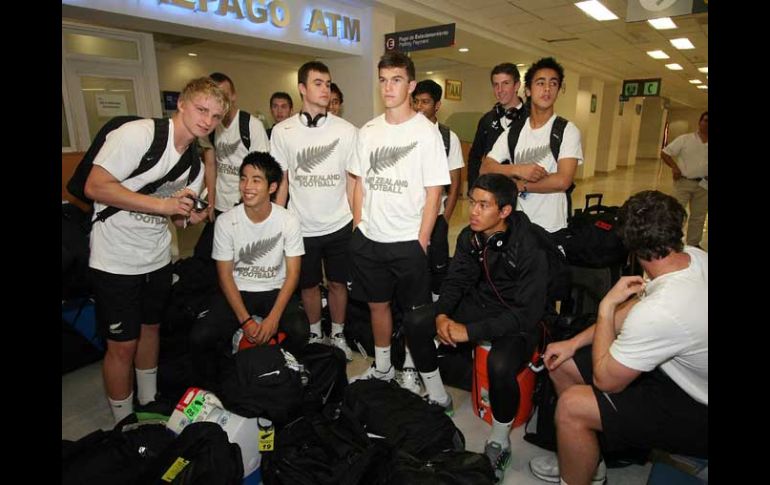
(266, 434)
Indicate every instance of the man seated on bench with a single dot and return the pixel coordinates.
(639, 375)
(495, 290)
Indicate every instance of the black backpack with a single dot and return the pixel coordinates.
(117, 457)
(258, 382)
(329, 448)
(325, 369)
(190, 159)
(444, 130)
(243, 127)
(557, 133)
(405, 420)
(200, 455)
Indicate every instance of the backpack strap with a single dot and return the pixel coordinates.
(187, 160)
(557, 135)
(514, 130)
(243, 124)
(444, 130)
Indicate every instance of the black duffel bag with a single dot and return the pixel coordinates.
(591, 237)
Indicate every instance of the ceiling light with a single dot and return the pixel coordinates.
(682, 43)
(702, 86)
(463, 49)
(664, 23)
(695, 81)
(594, 8)
(657, 54)
(520, 65)
(92, 89)
(704, 69)
(192, 54)
(428, 72)
(674, 67)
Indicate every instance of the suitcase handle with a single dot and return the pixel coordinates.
(593, 196)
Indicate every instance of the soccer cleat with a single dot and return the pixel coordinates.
(317, 339)
(499, 457)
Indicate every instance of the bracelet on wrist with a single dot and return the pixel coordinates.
(247, 320)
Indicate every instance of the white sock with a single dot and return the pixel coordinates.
(146, 384)
(382, 358)
(337, 328)
(316, 328)
(121, 409)
(500, 432)
(435, 386)
(434, 297)
(561, 481)
(408, 362)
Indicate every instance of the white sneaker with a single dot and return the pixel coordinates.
(546, 468)
(373, 373)
(410, 380)
(338, 340)
(317, 339)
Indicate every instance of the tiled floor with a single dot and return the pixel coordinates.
(84, 407)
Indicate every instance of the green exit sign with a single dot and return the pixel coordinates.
(641, 87)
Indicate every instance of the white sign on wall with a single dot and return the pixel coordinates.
(109, 105)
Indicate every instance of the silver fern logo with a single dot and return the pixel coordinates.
(224, 150)
(385, 157)
(310, 157)
(250, 253)
(533, 155)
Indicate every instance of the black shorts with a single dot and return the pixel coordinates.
(382, 272)
(652, 412)
(125, 302)
(333, 249)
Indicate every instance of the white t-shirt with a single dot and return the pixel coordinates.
(534, 146)
(396, 163)
(668, 328)
(129, 242)
(316, 159)
(455, 161)
(257, 250)
(230, 152)
(691, 155)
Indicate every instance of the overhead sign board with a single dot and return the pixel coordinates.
(421, 39)
(653, 9)
(641, 87)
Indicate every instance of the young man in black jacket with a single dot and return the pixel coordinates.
(506, 81)
(495, 291)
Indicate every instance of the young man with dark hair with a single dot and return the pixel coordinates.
(691, 173)
(427, 100)
(401, 168)
(335, 101)
(314, 149)
(638, 377)
(542, 180)
(131, 251)
(281, 107)
(223, 152)
(257, 247)
(506, 80)
(495, 291)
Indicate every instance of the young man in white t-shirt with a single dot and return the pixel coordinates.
(131, 251)
(257, 248)
(401, 168)
(223, 160)
(638, 377)
(314, 148)
(541, 180)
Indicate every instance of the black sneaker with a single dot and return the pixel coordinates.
(499, 457)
